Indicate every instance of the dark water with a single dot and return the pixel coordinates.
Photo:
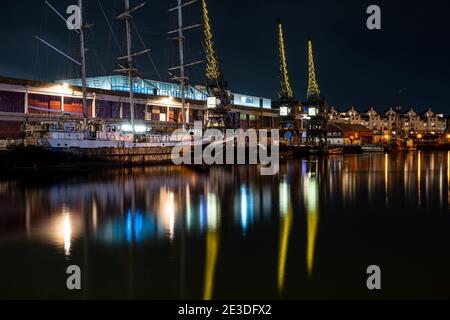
(228, 233)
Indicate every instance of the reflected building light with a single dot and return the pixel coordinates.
(27, 217)
(246, 208)
(94, 215)
(405, 177)
(284, 197)
(312, 202)
(286, 217)
(213, 212)
(427, 184)
(212, 248)
(441, 186)
(67, 232)
(167, 211)
(188, 209)
(129, 227)
(432, 167)
(419, 178)
(134, 228)
(386, 178)
(60, 229)
(138, 227)
(286, 226)
(448, 177)
(202, 212)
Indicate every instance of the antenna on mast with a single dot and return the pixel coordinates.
(130, 70)
(182, 78)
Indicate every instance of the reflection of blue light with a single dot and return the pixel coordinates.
(203, 212)
(247, 209)
(138, 227)
(129, 227)
(244, 208)
(304, 168)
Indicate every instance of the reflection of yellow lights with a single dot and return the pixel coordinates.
(312, 200)
(286, 215)
(284, 197)
(313, 221)
(419, 176)
(94, 215)
(213, 212)
(448, 176)
(419, 136)
(286, 227)
(212, 248)
(386, 174)
(60, 229)
(167, 211)
(67, 233)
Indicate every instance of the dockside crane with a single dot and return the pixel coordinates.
(219, 103)
(315, 105)
(289, 107)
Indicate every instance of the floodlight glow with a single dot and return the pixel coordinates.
(284, 111)
(127, 128)
(140, 129)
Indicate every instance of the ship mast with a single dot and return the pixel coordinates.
(182, 78)
(182, 69)
(83, 66)
(130, 70)
(130, 61)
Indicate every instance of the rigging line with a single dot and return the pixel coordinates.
(35, 69)
(109, 26)
(148, 53)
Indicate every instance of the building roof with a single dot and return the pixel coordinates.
(349, 127)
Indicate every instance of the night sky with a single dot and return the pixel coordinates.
(407, 62)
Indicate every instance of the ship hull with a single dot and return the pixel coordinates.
(40, 158)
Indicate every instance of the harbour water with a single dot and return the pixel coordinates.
(227, 232)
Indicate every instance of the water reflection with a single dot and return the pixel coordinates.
(311, 196)
(286, 216)
(192, 230)
(212, 244)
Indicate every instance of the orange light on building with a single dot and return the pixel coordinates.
(419, 136)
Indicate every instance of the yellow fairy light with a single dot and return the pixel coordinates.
(313, 85)
(212, 65)
(286, 89)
